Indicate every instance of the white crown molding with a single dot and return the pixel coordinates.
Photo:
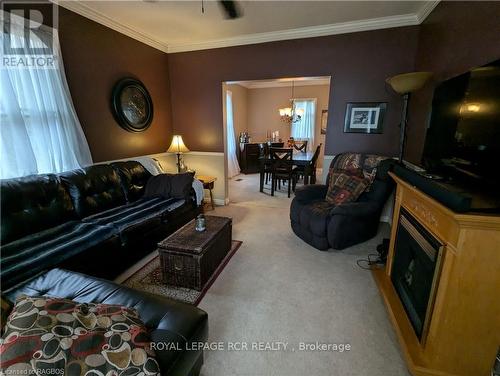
(304, 32)
(278, 83)
(426, 10)
(86, 11)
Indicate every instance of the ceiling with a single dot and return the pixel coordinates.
(176, 26)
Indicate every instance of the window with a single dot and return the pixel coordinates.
(304, 128)
(233, 166)
(39, 128)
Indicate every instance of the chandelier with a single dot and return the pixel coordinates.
(291, 115)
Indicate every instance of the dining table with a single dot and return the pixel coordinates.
(298, 159)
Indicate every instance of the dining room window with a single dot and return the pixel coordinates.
(304, 128)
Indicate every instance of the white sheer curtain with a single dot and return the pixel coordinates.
(304, 128)
(40, 131)
(233, 167)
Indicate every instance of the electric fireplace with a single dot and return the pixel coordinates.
(415, 270)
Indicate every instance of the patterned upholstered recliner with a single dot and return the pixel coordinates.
(324, 226)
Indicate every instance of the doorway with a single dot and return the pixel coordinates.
(252, 114)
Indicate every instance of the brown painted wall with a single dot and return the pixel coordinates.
(358, 63)
(263, 105)
(263, 116)
(95, 57)
(454, 38)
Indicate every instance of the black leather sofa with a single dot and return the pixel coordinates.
(168, 321)
(93, 220)
(96, 220)
(324, 226)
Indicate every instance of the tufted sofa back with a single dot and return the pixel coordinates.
(32, 204)
(94, 189)
(35, 203)
(133, 178)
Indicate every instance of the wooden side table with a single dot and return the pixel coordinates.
(208, 183)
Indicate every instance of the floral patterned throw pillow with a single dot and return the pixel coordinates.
(345, 187)
(53, 336)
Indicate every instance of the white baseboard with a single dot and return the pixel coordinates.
(221, 202)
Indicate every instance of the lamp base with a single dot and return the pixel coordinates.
(179, 161)
(181, 167)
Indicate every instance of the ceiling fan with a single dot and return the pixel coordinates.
(231, 8)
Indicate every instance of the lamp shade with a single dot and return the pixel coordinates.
(287, 111)
(408, 82)
(177, 145)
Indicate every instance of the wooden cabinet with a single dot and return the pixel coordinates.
(249, 156)
(464, 330)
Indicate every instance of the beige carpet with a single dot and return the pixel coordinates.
(277, 288)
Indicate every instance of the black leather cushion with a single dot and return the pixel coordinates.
(136, 218)
(94, 189)
(168, 321)
(28, 256)
(32, 204)
(134, 178)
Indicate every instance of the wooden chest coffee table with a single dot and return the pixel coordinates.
(189, 258)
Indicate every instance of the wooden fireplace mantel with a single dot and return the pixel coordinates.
(464, 330)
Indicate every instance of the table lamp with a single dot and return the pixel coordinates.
(405, 84)
(177, 146)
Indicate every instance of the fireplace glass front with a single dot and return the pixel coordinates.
(415, 269)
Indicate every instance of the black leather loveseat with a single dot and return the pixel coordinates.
(176, 329)
(324, 226)
(93, 220)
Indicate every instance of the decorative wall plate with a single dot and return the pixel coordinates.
(132, 105)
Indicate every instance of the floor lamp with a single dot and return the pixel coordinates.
(177, 146)
(405, 84)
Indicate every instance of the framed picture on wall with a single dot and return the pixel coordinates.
(324, 120)
(364, 117)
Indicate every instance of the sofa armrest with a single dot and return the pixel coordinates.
(308, 193)
(169, 321)
(356, 209)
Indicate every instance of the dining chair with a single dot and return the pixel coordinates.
(300, 146)
(308, 172)
(282, 168)
(264, 152)
(313, 165)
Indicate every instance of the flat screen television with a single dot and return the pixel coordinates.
(462, 146)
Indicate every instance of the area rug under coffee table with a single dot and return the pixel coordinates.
(149, 279)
